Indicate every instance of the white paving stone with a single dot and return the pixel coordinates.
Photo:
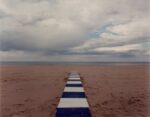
(72, 102)
(74, 89)
(74, 82)
(73, 78)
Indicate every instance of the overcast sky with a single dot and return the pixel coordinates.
(74, 30)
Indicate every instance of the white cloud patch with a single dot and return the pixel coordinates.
(125, 48)
(61, 27)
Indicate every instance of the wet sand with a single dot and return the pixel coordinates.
(112, 90)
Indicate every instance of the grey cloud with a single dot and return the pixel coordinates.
(62, 27)
(3, 14)
(16, 42)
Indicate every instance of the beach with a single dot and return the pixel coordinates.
(112, 90)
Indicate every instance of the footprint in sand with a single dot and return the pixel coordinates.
(105, 103)
(29, 100)
(133, 100)
(16, 105)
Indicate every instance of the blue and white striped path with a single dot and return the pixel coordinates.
(73, 102)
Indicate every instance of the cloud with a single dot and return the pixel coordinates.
(122, 37)
(65, 29)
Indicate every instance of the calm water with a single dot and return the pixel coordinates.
(94, 63)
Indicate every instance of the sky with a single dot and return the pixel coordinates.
(75, 30)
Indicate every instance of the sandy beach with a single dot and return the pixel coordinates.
(112, 90)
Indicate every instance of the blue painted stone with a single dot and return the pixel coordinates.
(73, 85)
(73, 112)
(73, 95)
(74, 80)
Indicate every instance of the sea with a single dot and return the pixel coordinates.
(71, 63)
